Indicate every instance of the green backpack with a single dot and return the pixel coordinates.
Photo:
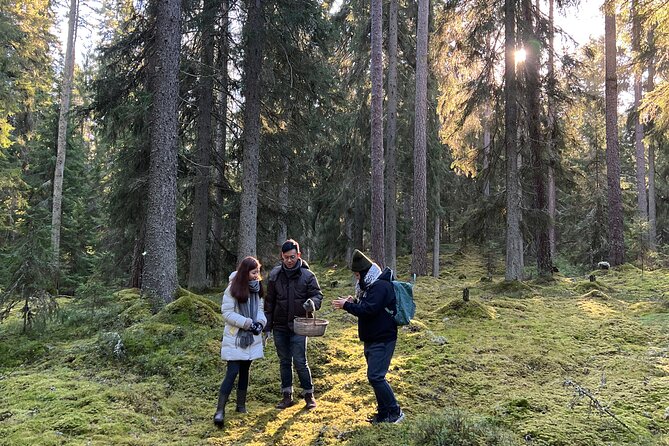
(405, 308)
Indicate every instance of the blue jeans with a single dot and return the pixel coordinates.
(235, 368)
(378, 356)
(292, 349)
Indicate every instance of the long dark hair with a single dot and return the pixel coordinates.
(239, 286)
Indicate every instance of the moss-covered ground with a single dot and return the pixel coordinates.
(562, 362)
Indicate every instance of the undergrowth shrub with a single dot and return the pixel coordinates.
(448, 427)
(453, 427)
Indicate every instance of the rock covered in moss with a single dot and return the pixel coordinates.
(191, 309)
(469, 309)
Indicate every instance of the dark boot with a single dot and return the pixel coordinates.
(241, 401)
(309, 399)
(286, 402)
(219, 416)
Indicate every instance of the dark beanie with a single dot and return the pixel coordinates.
(360, 262)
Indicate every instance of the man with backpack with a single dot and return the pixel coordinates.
(377, 329)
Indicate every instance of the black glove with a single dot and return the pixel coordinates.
(255, 328)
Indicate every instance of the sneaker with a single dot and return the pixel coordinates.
(376, 419)
(395, 419)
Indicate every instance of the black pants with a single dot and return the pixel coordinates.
(235, 368)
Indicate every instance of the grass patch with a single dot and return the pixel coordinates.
(118, 374)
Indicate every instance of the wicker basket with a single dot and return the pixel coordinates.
(305, 326)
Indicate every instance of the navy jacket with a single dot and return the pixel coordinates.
(375, 324)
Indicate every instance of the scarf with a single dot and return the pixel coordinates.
(249, 309)
(291, 272)
(371, 277)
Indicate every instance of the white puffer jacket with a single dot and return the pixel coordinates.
(234, 321)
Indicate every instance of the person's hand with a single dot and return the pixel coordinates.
(256, 328)
(338, 304)
(266, 337)
(309, 306)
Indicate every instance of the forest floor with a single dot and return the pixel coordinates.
(563, 362)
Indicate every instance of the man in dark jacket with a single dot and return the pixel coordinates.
(291, 284)
(375, 297)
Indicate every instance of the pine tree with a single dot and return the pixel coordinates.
(616, 242)
(514, 238)
(66, 92)
(419, 245)
(197, 275)
(160, 268)
(376, 71)
(254, 34)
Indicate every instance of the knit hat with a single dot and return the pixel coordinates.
(360, 262)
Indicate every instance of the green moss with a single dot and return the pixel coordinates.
(595, 294)
(512, 288)
(503, 377)
(469, 309)
(584, 287)
(191, 309)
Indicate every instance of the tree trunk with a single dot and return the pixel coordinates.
(254, 31)
(437, 235)
(160, 262)
(419, 245)
(391, 142)
(216, 242)
(282, 221)
(348, 228)
(378, 238)
(652, 222)
(639, 150)
(486, 151)
(66, 93)
(358, 224)
(514, 238)
(197, 275)
(137, 266)
(616, 241)
(539, 168)
(552, 130)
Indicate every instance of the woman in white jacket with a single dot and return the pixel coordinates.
(242, 309)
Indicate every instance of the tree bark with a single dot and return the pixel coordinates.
(419, 245)
(66, 93)
(137, 266)
(616, 236)
(378, 238)
(282, 221)
(358, 224)
(486, 150)
(160, 262)
(514, 238)
(391, 142)
(254, 32)
(639, 150)
(539, 168)
(437, 235)
(652, 221)
(197, 275)
(216, 242)
(552, 130)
